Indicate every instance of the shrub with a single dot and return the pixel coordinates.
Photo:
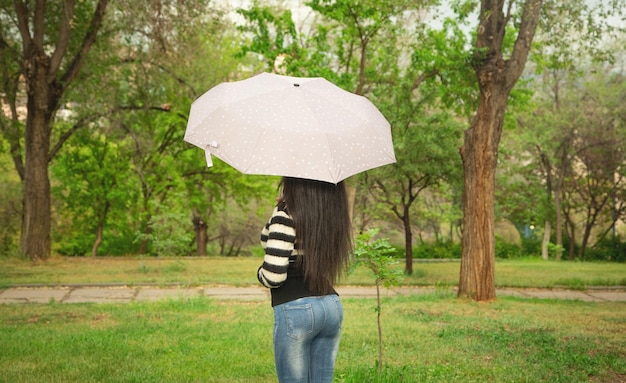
(609, 249)
(506, 250)
(531, 246)
(438, 250)
(77, 246)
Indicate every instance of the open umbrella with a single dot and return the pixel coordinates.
(290, 126)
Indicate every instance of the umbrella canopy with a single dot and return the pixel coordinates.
(290, 126)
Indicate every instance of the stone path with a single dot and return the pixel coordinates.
(123, 294)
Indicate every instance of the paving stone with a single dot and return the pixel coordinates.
(120, 294)
(101, 295)
(33, 295)
(618, 296)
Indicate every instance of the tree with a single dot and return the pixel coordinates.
(376, 255)
(97, 185)
(149, 72)
(570, 35)
(498, 63)
(357, 45)
(574, 40)
(47, 42)
(424, 116)
(596, 184)
(496, 77)
(426, 153)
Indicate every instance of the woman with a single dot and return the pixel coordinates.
(307, 242)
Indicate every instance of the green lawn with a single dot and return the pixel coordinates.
(242, 271)
(428, 338)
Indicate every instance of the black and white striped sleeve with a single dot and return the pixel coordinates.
(277, 238)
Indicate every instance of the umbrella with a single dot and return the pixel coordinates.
(290, 126)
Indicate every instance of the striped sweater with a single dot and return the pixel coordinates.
(278, 271)
(278, 239)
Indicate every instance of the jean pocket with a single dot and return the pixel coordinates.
(299, 320)
(339, 309)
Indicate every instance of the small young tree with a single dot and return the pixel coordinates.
(375, 254)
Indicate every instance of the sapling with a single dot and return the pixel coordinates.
(377, 256)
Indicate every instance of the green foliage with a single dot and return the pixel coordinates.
(377, 256)
(10, 207)
(168, 231)
(273, 34)
(569, 31)
(610, 249)
(97, 190)
(507, 250)
(438, 250)
(129, 104)
(529, 247)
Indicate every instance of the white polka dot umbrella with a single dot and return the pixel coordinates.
(290, 126)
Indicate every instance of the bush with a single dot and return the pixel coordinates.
(531, 246)
(113, 244)
(438, 250)
(506, 250)
(609, 250)
(77, 246)
(119, 244)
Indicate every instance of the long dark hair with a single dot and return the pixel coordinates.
(323, 229)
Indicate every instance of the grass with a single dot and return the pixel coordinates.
(428, 338)
(242, 271)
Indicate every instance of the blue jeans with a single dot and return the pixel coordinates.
(306, 339)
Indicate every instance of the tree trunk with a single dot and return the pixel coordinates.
(496, 77)
(570, 228)
(557, 206)
(35, 239)
(480, 155)
(559, 224)
(547, 227)
(408, 243)
(101, 221)
(200, 230)
(546, 240)
(380, 328)
(98, 241)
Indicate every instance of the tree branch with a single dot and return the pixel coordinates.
(67, 134)
(387, 199)
(39, 24)
(528, 26)
(64, 37)
(423, 77)
(22, 24)
(508, 15)
(88, 41)
(179, 79)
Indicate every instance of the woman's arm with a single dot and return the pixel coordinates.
(278, 238)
